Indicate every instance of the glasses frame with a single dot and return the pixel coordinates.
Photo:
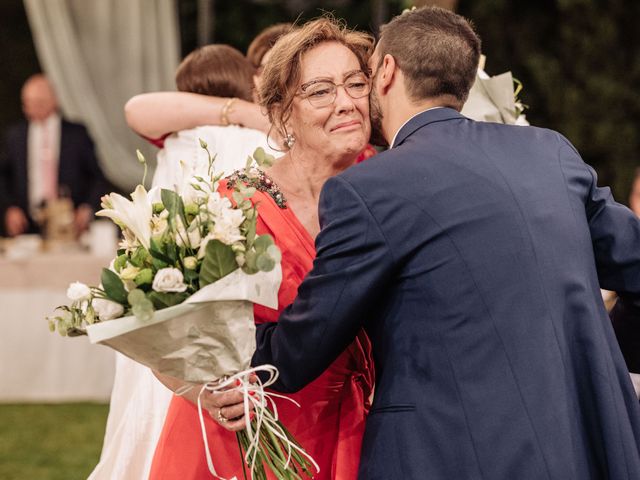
(334, 93)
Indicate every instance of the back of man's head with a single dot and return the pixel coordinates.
(38, 98)
(436, 50)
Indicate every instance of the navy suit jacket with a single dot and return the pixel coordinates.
(473, 254)
(78, 169)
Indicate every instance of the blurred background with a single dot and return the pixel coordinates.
(578, 62)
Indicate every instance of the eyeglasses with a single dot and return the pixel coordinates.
(321, 93)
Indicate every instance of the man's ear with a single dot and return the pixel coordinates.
(387, 74)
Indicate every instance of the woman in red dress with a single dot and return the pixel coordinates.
(315, 89)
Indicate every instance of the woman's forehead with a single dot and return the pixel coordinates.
(329, 59)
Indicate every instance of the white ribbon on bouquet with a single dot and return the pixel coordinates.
(266, 414)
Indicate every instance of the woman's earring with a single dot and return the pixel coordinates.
(289, 140)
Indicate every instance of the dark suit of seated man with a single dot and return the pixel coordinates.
(43, 157)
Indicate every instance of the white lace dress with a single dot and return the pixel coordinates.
(139, 401)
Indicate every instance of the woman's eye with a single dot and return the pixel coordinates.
(322, 92)
(357, 85)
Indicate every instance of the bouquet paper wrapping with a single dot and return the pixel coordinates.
(491, 99)
(208, 336)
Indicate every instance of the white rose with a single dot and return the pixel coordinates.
(169, 280)
(106, 309)
(78, 291)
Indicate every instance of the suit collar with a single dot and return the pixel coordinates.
(425, 118)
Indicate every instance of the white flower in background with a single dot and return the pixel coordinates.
(134, 214)
(106, 309)
(78, 291)
(195, 192)
(169, 280)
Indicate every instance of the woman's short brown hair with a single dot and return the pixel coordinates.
(216, 70)
(281, 75)
(437, 51)
(265, 41)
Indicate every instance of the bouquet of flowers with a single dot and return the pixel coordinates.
(178, 297)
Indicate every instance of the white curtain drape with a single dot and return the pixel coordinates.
(98, 54)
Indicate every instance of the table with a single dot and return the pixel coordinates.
(35, 364)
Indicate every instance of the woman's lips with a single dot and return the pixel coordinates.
(347, 125)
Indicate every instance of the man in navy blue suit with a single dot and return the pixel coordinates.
(44, 157)
(473, 254)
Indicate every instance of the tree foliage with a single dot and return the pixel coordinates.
(579, 61)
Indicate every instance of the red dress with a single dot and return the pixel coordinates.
(330, 422)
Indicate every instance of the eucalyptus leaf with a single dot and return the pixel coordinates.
(259, 155)
(274, 252)
(265, 263)
(113, 286)
(263, 242)
(219, 260)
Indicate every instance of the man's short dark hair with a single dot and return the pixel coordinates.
(436, 50)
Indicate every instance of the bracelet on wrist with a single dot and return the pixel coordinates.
(226, 110)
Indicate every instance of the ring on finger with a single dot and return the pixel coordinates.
(221, 418)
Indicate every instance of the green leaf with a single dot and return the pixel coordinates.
(219, 260)
(265, 263)
(162, 300)
(191, 276)
(157, 264)
(174, 205)
(259, 155)
(156, 252)
(144, 277)
(250, 265)
(263, 242)
(113, 286)
(139, 257)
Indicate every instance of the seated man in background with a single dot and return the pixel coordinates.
(43, 158)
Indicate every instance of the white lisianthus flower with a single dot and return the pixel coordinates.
(78, 291)
(134, 214)
(189, 237)
(217, 205)
(106, 309)
(226, 226)
(169, 280)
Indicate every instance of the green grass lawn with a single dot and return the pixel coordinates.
(50, 442)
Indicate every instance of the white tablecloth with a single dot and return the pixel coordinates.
(35, 364)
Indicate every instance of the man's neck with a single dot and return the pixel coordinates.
(403, 110)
